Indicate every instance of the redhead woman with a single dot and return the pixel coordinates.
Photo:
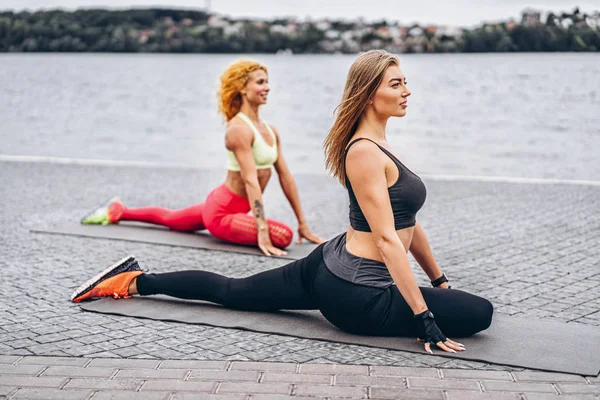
(361, 281)
(253, 149)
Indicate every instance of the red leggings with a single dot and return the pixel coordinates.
(224, 214)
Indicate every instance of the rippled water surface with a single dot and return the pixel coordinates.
(525, 115)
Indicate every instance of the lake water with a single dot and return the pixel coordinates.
(520, 115)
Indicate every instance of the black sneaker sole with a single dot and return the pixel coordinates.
(127, 264)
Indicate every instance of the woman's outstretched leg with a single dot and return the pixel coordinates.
(283, 288)
(187, 219)
(271, 290)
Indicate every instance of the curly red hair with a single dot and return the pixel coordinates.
(233, 81)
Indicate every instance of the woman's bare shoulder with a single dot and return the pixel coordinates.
(238, 134)
(237, 128)
(362, 151)
(363, 159)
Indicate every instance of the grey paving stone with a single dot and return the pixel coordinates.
(32, 370)
(476, 374)
(204, 396)
(133, 351)
(192, 364)
(8, 359)
(50, 338)
(498, 386)
(404, 371)
(251, 388)
(79, 372)
(330, 391)
(178, 385)
(547, 377)
(334, 369)
(593, 379)
(207, 375)
(468, 395)
(575, 388)
(66, 361)
(263, 366)
(129, 395)
(408, 394)
(428, 383)
(7, 390)
(152, 373)
(102, 384)
(296, 378)
(284, 397)
(20, 343)
(356, 380)
(31, 381)
(51, 394)
(123, 363)
(102, 355)
(546, 396)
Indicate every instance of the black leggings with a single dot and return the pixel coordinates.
(307, 284)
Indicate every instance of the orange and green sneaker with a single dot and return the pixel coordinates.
(108, 213)
(113, 281)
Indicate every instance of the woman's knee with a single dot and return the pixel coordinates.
(281, 234)
(480, 314)
(215, 226)
(212, 216)
(486, 312)
(460, 313)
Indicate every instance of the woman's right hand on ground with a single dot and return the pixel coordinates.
(305, 233)
(264, 243)
(430, 333)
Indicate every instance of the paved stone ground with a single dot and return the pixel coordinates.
(531, 249)
(101, 378)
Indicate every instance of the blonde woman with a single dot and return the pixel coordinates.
(361, 281)
(253, 149)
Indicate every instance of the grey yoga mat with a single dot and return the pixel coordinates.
(156, 235)
(530, 343)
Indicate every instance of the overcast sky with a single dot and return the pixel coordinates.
(456, 12)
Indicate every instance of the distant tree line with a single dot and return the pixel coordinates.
(157, 30)
(564, 32)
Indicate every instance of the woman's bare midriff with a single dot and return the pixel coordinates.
(235, 183)
(361, 244)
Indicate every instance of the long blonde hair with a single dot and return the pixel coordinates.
(233, 81)
(366, 74)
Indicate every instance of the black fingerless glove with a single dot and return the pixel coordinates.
(427, 328)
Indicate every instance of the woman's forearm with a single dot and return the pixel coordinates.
(256, 203)
(288, 185)
(395, 259)
(421, 251)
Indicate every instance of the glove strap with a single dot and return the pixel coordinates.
(425, 314)
(439, 280)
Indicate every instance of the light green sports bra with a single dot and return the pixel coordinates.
(264, 155)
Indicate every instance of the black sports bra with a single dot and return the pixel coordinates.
(407, 196)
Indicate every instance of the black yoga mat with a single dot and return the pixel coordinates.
(530, 343)
(156, 235)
